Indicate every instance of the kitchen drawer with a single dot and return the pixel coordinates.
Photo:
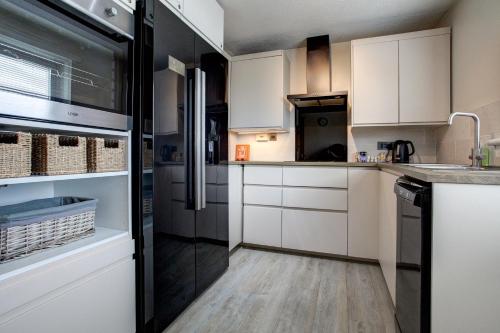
(315, 198)
(262, 195)
(315, 231)
(262, 225)
(263, 175)
(315, 177)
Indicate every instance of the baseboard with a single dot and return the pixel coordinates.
(308, 253)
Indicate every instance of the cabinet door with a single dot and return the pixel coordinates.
(315, 198)
(208, 17)
(178, 4)
(363, 196)
(263, 175)
(129, 3)
(262, 226)
(424, 79)
(375, 83)
(100, 302)
(257, 93)
(315, 177)
(235, 199)
(388, 230)
(315, 231)
(262, 195)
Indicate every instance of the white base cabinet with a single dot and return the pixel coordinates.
(315, 231)
(388, 230)
(363, 197)
(235, 200)
(100, 303)
(262, 225)
(465, 251)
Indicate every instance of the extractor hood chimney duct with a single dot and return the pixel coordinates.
(318, 74)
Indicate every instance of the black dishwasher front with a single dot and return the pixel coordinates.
(413, 255)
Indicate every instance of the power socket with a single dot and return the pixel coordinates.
(382, 145)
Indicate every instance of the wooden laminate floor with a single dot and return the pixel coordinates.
(273, 292)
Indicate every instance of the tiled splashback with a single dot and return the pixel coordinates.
(455, 142)
(366, 138)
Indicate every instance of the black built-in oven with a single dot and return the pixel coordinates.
(413, 255)
(67, 61)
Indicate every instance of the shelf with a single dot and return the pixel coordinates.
(41, 179)
(44, 257)
(28, 125)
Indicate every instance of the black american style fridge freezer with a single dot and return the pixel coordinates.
(182, 202)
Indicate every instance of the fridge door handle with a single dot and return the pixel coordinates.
(202, 142)
(198, 160)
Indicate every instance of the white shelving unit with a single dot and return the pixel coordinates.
(51, 276)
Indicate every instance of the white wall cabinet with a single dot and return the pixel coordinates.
(388, 230)
(262, 225)
(424, 79)
(401, 79)
(259, 85)
(129, 3)
(375, 83)
(235, 200)
(178, 4)
(363, 199)
(208, 16)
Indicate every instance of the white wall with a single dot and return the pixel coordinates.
(475, 76)
(359, 139)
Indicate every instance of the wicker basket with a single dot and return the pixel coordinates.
(35, 225)
(59, 154)
(15, 154)
(105, 155)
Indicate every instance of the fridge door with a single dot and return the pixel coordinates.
(212, 246)
(174, 247)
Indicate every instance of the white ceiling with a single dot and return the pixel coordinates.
(265, 25)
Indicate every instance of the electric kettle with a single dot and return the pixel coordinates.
(401, 151)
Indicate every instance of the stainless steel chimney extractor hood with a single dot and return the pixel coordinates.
(318, 72)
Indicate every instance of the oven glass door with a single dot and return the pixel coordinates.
(49, 56)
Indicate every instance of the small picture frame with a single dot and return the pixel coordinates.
(242, 152)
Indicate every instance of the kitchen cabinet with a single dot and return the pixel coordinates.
(205, 16)
(262, 225)
(177, 4)
(375, 83)
(82, 307)
(208, 17)
(129, 3)
(401, 79)
(315, 177)
(363, 211)
(258, 88)
(388, 230)
(263, 175)
(316, 231)
(262, 195)
(424, 79)
(315, 198)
